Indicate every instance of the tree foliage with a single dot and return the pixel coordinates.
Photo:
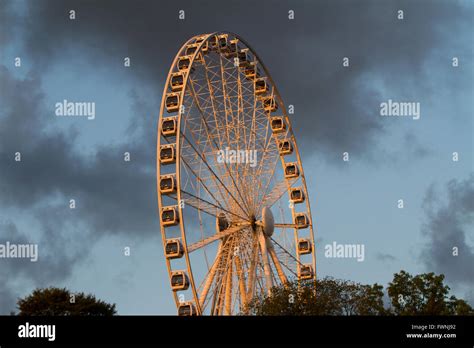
(61, 302)
(424, 294)
(326, 296)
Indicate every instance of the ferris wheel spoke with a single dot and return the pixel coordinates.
(228, 290)
(261, 174)
(276, 262)
(286, 251)
(228, 111)
(285, 225)
(276, 193)
(266, 264)
(217, 236)
(210, 140)
(214, 174)
(215, 178)
(206, 188)
(209, 278)
(205, 206)
(199, 180)
(241, 280)
(221, 290)
(215, 283)
(252, 270)
(213, 101)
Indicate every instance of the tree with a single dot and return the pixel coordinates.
(424, 294)
(61, 302)
(327, 296)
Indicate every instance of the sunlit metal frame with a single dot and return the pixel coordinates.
(262, 246)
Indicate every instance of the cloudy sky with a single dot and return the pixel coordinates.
(337, 109)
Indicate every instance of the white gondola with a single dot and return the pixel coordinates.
(169, 126)
(232, 48)
(278, 124)
(297, 195)
(291, 170)
(301, 220)
(222, 42)
(177, 81)
(205, 46)
(173, 248)
(191, 49)
(172, 102)
(184, 63)
(285, 147)
(304, 246)
(167, 184)
(306, 272)
(222, 223)
(260, 86)
(269, 103)
(169, 216)
(250, 71)
(244, 57)
(167, 154)
(186, 309)
(179, 280)
(213, 42)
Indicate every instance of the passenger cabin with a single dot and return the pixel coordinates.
(250, 71)
(291, 170)
(285, 147)
(184, 63)
(301, 220)
(173, 249)
(306, 272)
(177, 81)
(169, 216)
(167, 154)
(260, 86)
(244, 58)
(172, 102)
(222, 223)
(179, 281)
(213, 42)
(205, 46)
(169, 126)
(167, 184)
(191, 49)
(304, 246)
(222, 41)
(269, 103)
(232, 48)
(186, 309)
(297, 195)
(278, 125)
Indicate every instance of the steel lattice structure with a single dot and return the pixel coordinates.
(221, 244)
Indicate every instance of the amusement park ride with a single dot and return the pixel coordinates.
(220, 239)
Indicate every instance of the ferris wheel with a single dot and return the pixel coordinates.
(234, 209)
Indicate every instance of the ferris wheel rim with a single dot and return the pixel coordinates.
(178, 150)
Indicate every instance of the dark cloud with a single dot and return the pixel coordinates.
(58, 252)
(336, 108)
(450, 224)
(112, 196)
(102, 185)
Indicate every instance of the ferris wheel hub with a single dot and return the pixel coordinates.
(268, 222)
